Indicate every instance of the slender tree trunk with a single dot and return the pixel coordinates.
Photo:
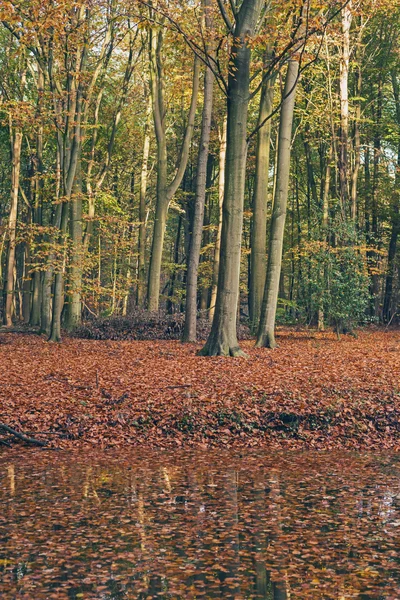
(36, 298)
(217, 247)
(165, 191)
(325, 219)
(223, 336)
(189, 332)
(58, 296)
(160, 221)
(37, 196)
(325, 196)
(344, 108)
(357, 147)
(142, 212)
(47, 279)
(395, 218)
(375, 258)
(16, 146)
(266, 331)
(279, 591)
(260, 200)
(170, 302)
(74, 302)
(45, 311)
(26, 297)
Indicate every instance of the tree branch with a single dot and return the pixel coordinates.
(22, 436)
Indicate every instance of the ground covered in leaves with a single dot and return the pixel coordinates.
(312, 391)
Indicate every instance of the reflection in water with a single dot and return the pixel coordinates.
(278, 527)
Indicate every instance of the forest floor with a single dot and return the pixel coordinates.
(312, 391)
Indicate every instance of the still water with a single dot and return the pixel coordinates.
(284, 526)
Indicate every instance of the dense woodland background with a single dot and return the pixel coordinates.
(130, 182)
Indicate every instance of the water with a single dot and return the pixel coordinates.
(199, 525)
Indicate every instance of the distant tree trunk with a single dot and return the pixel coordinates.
(357, 147)
(47, 279)
(26, 297)
(325, 219)
(279, 591)
(189, 332)
(165, 191)
(395, 218)
(69, 168)
(223, 337)
(217, 247)
(170, 301)
(58, 295)
(36, 298)
(204, 292)
(69, 141)
(266, 331)
(374, 256)
(142, 212)
(259, 219)
(74, 302)
(16, 146)
(37, 189)
(344, 108)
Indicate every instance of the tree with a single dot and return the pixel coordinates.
(259, 220)
(266, 330)
(189, 333)
(165, 190)
(223, 337)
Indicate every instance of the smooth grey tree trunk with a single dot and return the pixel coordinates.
(74, 302)
(223, 336)
(142, 212)
(395, 219)
(189, 332)
(26, 293)
(266, 331)
(258, 249)
(217, 247)
(16, 146)
(344, 108)
(58, 296)
(165, 191)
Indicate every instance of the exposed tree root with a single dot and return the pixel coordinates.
(219, 349)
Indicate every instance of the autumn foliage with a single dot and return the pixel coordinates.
(313, 392)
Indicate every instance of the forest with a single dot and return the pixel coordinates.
(232, 163)
(200, 299)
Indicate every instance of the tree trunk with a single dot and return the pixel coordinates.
(38, 196)
(36, 298)
(357, 147)
(58, 296)
(175, 258)
(259, 220)
(266, 331)
(387, 303)
(16, 146)
(74, 306)
(325, 219)
(217, 247)
(160, 221)
(26, 297)
(189, 332)
(344, 108)
(142, 213)
(165, 192)
(223, 337)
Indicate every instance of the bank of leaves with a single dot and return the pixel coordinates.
(313, 391)
(143, 325)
